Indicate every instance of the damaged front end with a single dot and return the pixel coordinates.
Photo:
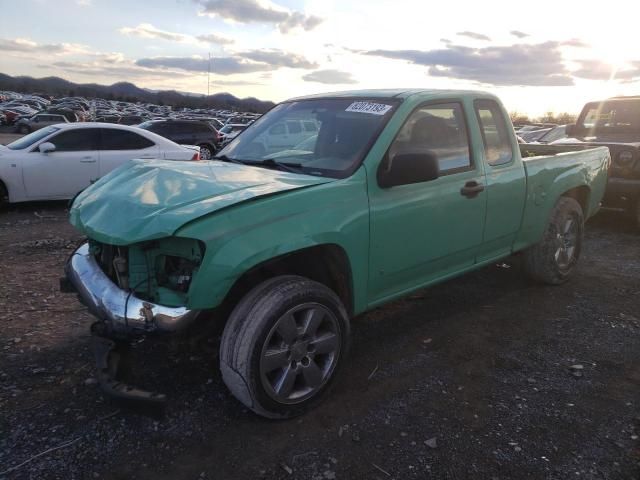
(133, 291)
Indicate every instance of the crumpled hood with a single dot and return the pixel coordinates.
(149, 199)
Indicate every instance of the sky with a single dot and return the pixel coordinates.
(537, 56)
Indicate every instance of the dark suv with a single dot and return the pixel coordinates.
(614, 123)
(187, 132)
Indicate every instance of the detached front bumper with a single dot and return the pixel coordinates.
(123, 314)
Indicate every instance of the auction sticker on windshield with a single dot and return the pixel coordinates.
(369, 107)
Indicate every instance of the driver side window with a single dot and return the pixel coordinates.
(79, 140)
(439, 130)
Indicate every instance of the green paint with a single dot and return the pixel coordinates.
(396, 240)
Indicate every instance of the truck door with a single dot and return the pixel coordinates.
(421, 232)
(505, 178)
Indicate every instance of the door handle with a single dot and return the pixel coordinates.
(87, 160)
(471, 189)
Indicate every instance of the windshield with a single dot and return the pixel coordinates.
(611, 116)
(28, 140)
(324, 137)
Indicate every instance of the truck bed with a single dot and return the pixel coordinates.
(552, 170)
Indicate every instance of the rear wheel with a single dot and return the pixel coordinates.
(554, 258)
(24, 129)
(4, 196)
(206, 151)
(283, 346)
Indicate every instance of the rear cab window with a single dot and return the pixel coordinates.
(495, 132)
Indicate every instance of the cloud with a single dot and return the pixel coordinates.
(222, 66)
(331, 77)
(22, 45)
(234, 83)
(575, 42)
(519, 34)
(474, 35)
(521, 64)
(599, 70)
(244, 62)
(278, 58)
(255, 11)
(118, 70)
(146, 30)
(215, 39)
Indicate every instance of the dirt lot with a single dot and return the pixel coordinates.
(470, 379)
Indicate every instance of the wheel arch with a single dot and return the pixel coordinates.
(327, 264)
(582, 195)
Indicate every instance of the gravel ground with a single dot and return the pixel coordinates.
(486, 376)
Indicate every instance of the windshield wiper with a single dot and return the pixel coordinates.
(224, 158)
(287, 166)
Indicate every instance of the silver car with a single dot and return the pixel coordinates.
(38, 121)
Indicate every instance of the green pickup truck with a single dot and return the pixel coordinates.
(391, 191)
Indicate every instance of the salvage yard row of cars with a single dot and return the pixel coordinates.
(325, 207)
(208, 129)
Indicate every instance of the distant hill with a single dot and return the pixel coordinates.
(128, 92)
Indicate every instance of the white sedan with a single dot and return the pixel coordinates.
(58, 162)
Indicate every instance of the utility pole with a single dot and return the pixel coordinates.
(208, 76)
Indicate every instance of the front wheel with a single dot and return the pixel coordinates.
(206, 152)
(4, 196)
(283, 345)
(24, 129)
(553, 259)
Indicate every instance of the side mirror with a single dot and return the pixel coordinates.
(571, 130)
(47, 147)
(407, 168)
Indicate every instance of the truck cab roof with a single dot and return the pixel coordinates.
(397, 93)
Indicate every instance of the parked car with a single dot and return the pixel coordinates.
(188, 132)
(530, 136)
(230, 131)
(402, 189)
(553, 135)
(614, 123)
(41, 120)
(57, 162)
(286, 135)
(131, 119)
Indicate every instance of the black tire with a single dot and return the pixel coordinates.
(554, 258)
(206, 151)
(24, 129)
(4, 196)
(252, 331)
